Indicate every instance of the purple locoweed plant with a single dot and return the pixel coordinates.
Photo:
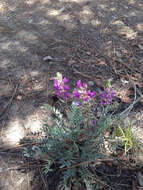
(79, 134)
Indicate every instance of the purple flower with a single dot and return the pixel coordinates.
(65, 80)
(87, 98)
(66, 95)
(79, 84)
(94, 122)
(91, 94)
(84, 85)
(61, 88)
(59, 94)
(55, 83)
(107, 96)
(76, 94)
(78, 103)
(82, 93)
(66, 87)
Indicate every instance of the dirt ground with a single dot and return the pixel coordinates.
(92, 40)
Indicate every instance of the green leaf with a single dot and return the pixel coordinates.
(47, 167)
(108, 85)
(76, 149)
(59, 77)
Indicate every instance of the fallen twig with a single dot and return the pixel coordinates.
(35, 165)
(46, 186)
(131, 105)
(96, 162)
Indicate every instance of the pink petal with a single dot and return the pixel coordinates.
(79, 84)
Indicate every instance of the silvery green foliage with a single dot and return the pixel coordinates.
(75, 117)
(69, 142)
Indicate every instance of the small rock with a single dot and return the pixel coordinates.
(1, 170)
(118, 54)
(19, 97)
(48, 58)
(96, 22)
(30, 21)
(71, 62)
(88, 53)
(140, 46)
(118, 23)
(91, 83)
(62, 9)
(140, 179)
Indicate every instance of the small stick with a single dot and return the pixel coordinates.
(86, 162)
(131, 105)
(46, 186)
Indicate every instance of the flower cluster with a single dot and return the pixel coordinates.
(107, 96)
(82, 94)
(61, 87)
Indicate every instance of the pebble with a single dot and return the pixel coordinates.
(91, 83)
(140, 179)
(118, 54)
(118, 23)
(95, 22)
(48, 58)
(30, 21)
(140, 46)
(88, 53)
(62, 9)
